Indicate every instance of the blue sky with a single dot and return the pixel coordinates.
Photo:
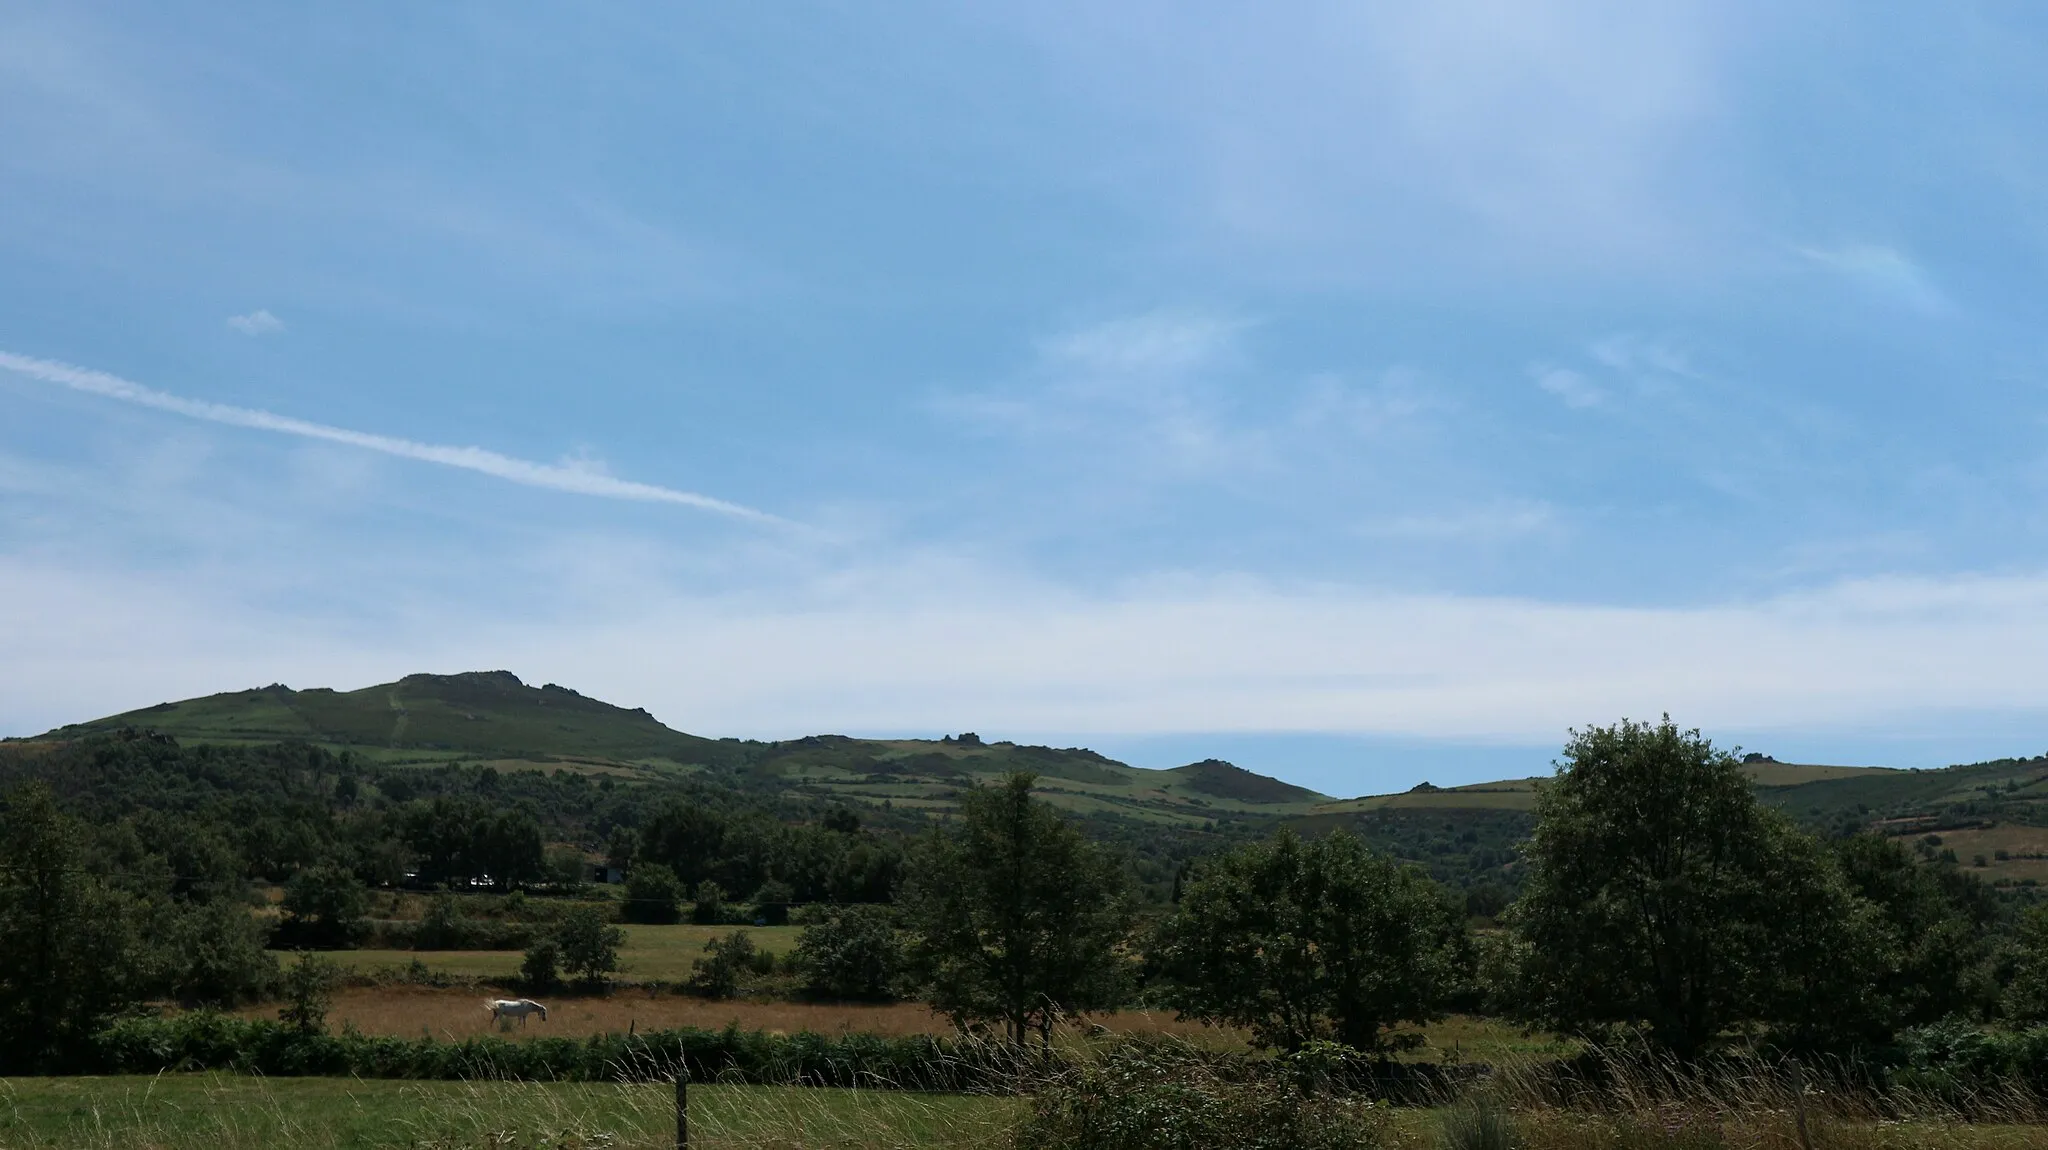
(1362, 393)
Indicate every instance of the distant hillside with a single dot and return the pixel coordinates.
(1230, 781)
(1466, 833)
(492, 718)
(479, 714)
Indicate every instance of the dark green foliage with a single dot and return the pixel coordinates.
(70, 954)
(215, 955)
(324, 908)
(1936, 924)
(1299, 941)
(541, 968)
(445, 927)
(1140, 1097)
(726, 960)
(853, 953)
(1661, 897)
(309, 986)
(1465, 847)
(709, 907)
(1016, 919)
(588, 945)
(653, 894)
(2026, 995)
(771, 903)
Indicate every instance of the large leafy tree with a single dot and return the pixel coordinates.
(1299, 941)
(1662, 898)
(1014, 917)
(1936, 923)
(69, 952)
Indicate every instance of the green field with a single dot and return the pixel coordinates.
(227, 1112)
(662, 953)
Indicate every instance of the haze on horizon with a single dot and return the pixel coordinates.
(1360, 393)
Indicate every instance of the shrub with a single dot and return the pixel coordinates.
(309, 992)
(653, 894)
(717, 974)
(217, 953)
(771, 903)
(1142, 1097)
(852, 953)
(710, 906)
(445, 927)
(541, 969)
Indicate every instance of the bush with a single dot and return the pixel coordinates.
(710, 905)
(444, 927)
(216, 951)
(771, 903)
(1142, 1097)
(852, 953)
(717, 974)
(541, 969)
(309, 992)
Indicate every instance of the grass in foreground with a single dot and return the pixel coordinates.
(228, 1112)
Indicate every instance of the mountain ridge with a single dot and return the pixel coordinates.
(495, 718)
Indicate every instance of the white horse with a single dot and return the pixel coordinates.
(517, 1008)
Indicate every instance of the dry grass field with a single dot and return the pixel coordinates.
(452, 1014)
(2012, 838)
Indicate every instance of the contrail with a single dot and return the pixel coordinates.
(549, 475)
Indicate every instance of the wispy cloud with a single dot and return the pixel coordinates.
(579, 478)
(1160, 342)
(1568, 385)
(258, 322)
(1884, 272)
(912, 646)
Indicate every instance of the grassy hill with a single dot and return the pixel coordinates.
(492, 718)
(1997, 809)
(481, 715)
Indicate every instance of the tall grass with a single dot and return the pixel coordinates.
(212, 1112)
(1626, 1101)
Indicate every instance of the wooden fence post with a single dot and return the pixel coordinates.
(682, 1108)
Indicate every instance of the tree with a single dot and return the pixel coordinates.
(324, 907)
(771, 903)
(1303, 941)
(717, 973)
(1661, 897)
(589, 946)
(69, 952)
(653, 894)
(309, 993)
(854, 952)
(541, 967)
(1016, 918)
(709, 907)
(1937, 924)
(216, 955)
